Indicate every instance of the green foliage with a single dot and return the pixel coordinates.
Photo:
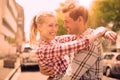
(116, 26)
(11, 40)
(61, 30)
(103, 12)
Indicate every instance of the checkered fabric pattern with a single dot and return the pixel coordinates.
(87, 63)
(52, 54)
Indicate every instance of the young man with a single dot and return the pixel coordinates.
(86, 64)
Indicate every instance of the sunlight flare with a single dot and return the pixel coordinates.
(86, 3)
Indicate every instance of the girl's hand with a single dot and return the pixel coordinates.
(100, 31)
(111, 36)
(45, 70)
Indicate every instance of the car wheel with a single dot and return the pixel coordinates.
(108, 72)
(22, 68)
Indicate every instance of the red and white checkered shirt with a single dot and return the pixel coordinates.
(53, 54)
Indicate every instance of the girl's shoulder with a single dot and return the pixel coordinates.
(65, 36)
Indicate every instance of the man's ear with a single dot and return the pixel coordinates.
(80, 19)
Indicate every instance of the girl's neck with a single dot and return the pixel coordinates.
(43, 39)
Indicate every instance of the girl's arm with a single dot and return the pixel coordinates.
(56, 50)
(61, 49)
(110, 35)
(65, 38)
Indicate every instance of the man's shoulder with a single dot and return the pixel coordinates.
(87, 31)
(96, 42)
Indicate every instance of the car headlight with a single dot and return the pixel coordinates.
(25, 59)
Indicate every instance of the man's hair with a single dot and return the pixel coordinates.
(76, 11)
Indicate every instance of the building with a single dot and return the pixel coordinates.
(20, 28)
(11, 26)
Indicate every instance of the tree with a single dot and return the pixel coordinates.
(116, 26)
(61, 30)
(103, 12)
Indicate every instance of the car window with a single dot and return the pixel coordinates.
(118, 57)
(27, 49)
(108, 57)
(114, 50)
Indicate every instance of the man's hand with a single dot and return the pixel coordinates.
(48, 71)
(111, 36)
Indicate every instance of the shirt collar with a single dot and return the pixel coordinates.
(88, 31)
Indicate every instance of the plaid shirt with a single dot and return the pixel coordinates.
(87, 63)
(53, 54)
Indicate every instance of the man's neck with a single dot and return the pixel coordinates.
(81, 31)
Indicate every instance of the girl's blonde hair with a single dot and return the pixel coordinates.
(40, 18)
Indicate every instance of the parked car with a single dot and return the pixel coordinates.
(111, 63)
(28, 58)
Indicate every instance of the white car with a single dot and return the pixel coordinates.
(28, 58)
(111, 63)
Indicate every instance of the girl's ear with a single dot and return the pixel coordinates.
(39, 27)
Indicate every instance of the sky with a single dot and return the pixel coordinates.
(32, 7)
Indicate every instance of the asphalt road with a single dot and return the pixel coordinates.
(36, 75)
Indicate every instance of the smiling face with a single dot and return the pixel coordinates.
(75, 19)
(69, 24)
(48, 29)
(73, 26)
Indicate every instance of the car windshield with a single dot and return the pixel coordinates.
(108, 57)
(27, 49)
(118, 57)
(115, 50)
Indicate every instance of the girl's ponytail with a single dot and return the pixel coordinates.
(33, 30)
